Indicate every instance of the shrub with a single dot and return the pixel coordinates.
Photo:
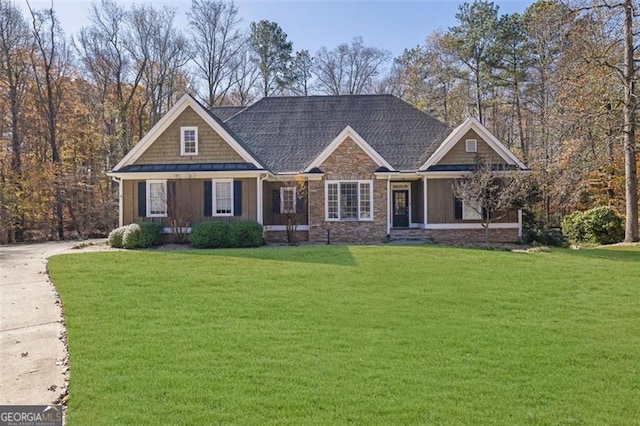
(132, 236)
(600, 225)
(226, 234)
(152, 234)
(247, 234)
(536, 230)
(115, 237)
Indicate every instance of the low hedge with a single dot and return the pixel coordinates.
(600, 225)
(226, 235)
(143, 235)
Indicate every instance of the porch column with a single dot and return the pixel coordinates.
(519, 223)
(426, 204)
(259, 199)
(120, 200)
(389, 205)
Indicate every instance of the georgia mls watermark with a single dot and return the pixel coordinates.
(30, 415)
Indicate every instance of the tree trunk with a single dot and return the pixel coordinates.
(631, 178)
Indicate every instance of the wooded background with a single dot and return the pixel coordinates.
(549, 83)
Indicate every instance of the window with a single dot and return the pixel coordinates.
(188, 141)
(471, 145)
(470, 211)
(156, 198)
(288, 199)
(349, 200)
(222, 197)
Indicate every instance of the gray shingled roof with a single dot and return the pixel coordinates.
(288, 133)
(226, 112)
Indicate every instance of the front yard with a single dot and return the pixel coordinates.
(337, 334)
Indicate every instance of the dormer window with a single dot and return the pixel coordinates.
(188, 141)
(472, 145)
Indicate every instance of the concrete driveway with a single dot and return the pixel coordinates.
(33, 355)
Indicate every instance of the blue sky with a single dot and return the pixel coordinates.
(392, 24)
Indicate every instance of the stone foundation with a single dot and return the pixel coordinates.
(472, 236)
(280, 237)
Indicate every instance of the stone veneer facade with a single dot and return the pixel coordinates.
(473, 236)
(348, 162)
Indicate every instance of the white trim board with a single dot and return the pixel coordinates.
(164, 123)
(348, 132)
(459, 132)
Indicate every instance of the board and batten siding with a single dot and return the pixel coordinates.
(271, 217)
(190, 202)
(441, 208)
(211, 147)
(458, 153)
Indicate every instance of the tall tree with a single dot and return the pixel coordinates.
(512, 61)
(165, 49)
(15, 47)
(272, 55)
(473, 42)
(349, 69)
(244, 77)
(49, 61)
(217, 40)
(302, 71)
(104, 51)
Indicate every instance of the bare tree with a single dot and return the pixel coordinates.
(49, 61)
(165, 50)
(103, 48)
(217, 39)
(349, 69)
(244, 78)
(491, 192)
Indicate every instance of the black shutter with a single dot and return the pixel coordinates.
(485, 214)
(276, 201)
(142, 199)
(458, 209)
(208, 202)
(171, 197)
(237, 198)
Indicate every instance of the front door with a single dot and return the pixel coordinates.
(400, 208)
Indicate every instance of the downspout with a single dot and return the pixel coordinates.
(120, 197)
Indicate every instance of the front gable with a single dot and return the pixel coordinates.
(348, 151)
(453, 151)
(162, 144)
(212, 148)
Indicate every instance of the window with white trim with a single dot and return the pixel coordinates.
(188, 140)
(156, 198)
(288, 199)
(471, 211)
(222, 197)
(349, 200)
(471, 145)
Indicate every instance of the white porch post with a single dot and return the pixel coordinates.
(259, 199)
(426, 204)
(519, 223)
(120, 199)
(389, 205)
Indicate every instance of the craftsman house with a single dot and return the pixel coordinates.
(373, 166)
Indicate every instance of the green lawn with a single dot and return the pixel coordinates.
(337, 334)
